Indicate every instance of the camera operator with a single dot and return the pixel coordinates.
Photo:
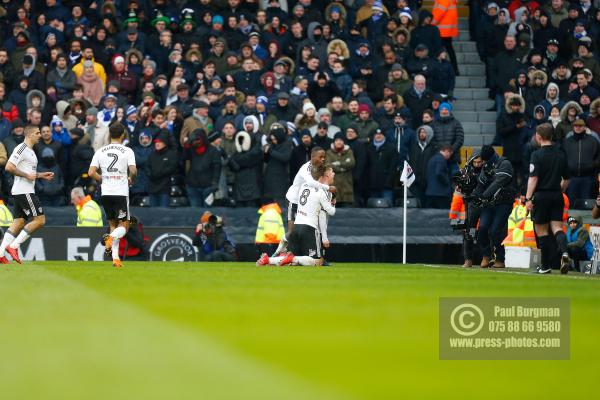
(466, 181)
(212, 240)
(495, 194)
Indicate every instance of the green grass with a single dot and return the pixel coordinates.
(235, 331)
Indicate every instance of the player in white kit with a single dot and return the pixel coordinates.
(114, 166)
(23, 165)
(317, 157)
(305, 239)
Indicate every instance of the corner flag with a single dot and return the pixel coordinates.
(408, 176)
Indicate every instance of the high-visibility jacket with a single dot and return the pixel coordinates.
(270, 225)
(457, 207)
(565, 208)
(445, 17)
(6, 217)
(520, 228)
(88, 213)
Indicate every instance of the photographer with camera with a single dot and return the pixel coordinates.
(212, 240)
(466, 181)
(495, 194)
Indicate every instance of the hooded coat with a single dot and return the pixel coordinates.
(382, 163)
(204, 167)
(419, 154)
(277, 159)
(428, 35)
(579, 238)
(512, 136)
(593, 120)
(536, 93)
(583, 154)
(449, 131)
(564, 126)
(548, 103)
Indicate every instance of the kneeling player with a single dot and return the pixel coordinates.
(305, 239)
(117, 165)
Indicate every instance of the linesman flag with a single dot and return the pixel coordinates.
(408, 175)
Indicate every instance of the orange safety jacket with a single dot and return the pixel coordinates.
(457, 207)
(445, 17)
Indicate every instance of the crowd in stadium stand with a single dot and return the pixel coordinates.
(199, 84)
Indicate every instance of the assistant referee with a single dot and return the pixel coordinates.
(548, 179)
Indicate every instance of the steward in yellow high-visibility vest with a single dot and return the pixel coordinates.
(6, 217)
(270, 225)
(89, 212)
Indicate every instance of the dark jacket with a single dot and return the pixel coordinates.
(428, 35)
(583, 154)
(246, 163)
(64, 84)
(80, 157)
(382, 163)
(417, 104)
(512, 136)
(504, 67)
(204, 167)
(438, 177)
(419, 155)
(448, 131)
(276, 177)
(402, 137)
(343, 164)
(495, 181)
(159, 168)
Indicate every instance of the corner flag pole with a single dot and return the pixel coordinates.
(404, 225)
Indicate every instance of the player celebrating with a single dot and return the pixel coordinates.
(305, 239)
(116, 164)
(23, 165)
(317, 158)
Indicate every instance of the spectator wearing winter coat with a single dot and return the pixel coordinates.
(341, 79)
(583, 158)
(50, 192)
(300, 153)
(96, 130)
(360, 173)
(80, 156)
(444, 77)
(162, 164)
(557, 12)
(93, 86)
(552, 98)
(62, 78)
(398, 79)
(425, 33)
(60, 134)
(18, 96)
(341, 158)
(537, 91)
(579, 245)
(505, 66)
(324, 115)
(202, 168)
(322, 90)
(127, 83)
(198, 120)
(401, 135)
(365, 124)
(5, 127)
(283, 110)
(142, 148)
(568, 114)
(248, 79)
(314, 39)
(421, 63)
(421, 150)
(35, 78)
(510, 126)
(246, 163)
(47, 140)
(418, 98)
(321, 138)
(277, 156)
(438, 190)
(382, 163)
(447, 130)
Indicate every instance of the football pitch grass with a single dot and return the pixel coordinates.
(83, 330)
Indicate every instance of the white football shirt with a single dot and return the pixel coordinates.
(303, 176)
(310, 203)
(26, 161)
(113, 161)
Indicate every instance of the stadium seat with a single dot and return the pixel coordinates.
(177, 191)
(179, 202)
(584, 204)
(378, 202)
(140, 201)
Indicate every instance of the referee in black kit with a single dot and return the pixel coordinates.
(548, 179)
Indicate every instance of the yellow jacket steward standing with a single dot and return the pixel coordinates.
(88, 213)
(445, 17)
(270, 225)
(6, 217)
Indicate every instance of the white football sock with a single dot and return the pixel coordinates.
(275, 260)
(115, 248)
(304, 260)
(118, 233)
(282, 245)
(6, 240)
(23, 236)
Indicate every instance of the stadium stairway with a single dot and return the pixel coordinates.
(472, 102)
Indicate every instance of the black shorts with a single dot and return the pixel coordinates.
(305, 241)
(547, 206)
(292, 209)
(116, 207)
(27, 206)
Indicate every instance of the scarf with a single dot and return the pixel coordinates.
(107, 114)
(298, 92)
(554, 121)
(378, 144)
(419, 92)
(131, 126)
(580, 34)
(28, 71)
(61, 72)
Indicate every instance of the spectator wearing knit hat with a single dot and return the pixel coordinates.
(366, 125)
(341, 158)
